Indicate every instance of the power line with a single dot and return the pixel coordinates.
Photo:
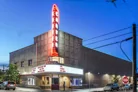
(106, 45)
(109, 44)
(108, 38)
(123, 50)
(107, 33)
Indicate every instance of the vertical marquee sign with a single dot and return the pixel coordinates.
(55, 28)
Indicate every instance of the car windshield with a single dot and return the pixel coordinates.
(126, 85)
(11, 83)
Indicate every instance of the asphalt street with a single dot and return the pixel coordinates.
(37, 90)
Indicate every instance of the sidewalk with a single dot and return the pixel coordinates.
(30, 89)
(73, 90)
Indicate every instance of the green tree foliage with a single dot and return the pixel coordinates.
(115, 79)
(12, 74)
(1, 76)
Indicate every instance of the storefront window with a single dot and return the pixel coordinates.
(31, 81)
(77, 82)
(47, 79)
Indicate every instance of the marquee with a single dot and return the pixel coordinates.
(56, 69)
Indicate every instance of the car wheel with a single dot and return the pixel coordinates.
(14, 89)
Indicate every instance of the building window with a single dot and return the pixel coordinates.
(30, 62)
(15, 63)
(22, 63)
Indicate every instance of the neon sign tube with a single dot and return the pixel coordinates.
(55, 28)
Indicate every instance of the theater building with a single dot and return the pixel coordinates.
(57, 56)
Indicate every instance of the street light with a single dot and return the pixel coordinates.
(89, 79)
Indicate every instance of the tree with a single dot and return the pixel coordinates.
(115, 78)
(12, 73)
(1, 76)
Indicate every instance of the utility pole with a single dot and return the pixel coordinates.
(134, 59)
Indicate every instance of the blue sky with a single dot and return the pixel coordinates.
(21, 20)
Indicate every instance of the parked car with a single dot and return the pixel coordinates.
(122, 88)
(131, 86)
(111, 87)
(8, 85)
(127, 86)
(0, 84)
(115, 86)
